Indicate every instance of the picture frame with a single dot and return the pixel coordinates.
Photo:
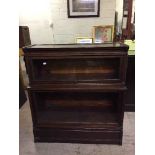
(103, 34)
(83, 8)
(84, 40)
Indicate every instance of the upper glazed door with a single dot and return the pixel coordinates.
(76, 70)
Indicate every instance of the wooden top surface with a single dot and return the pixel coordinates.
(74, 46)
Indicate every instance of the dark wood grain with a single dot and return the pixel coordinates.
(130, 82)
(76, 92)
(78, 136)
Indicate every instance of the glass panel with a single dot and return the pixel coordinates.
(76, 69)
(77, 107)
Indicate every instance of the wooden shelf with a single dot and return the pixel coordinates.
(76, 101)
(76, 69)
(79, 104)
(79, 74)
(83, 70)
(77, 118)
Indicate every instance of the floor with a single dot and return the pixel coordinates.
(28, 147)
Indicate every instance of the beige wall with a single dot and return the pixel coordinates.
(119, 9)
(48, 21)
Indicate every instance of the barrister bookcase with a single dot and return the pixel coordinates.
(76, 92)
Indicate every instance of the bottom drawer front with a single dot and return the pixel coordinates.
(78, 136)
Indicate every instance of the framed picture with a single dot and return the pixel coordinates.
(84, 40)
(103, 34)
(83, 8)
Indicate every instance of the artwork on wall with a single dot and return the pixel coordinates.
(83, 8)
(103, 34)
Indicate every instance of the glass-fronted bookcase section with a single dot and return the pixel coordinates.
(76, 70)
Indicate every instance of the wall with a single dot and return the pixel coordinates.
(48, 21)
(119, 9)
(36, 14)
